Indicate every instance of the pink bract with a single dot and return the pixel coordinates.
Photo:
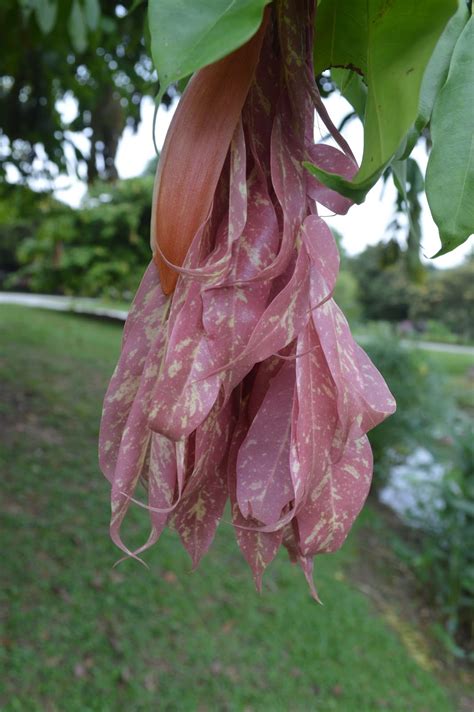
(246, 384)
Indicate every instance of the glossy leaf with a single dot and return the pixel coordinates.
(438, 66)
(450, 170)
(352, 87)
(187, 36)
(341, 35)
(390, 44)
(435, 75)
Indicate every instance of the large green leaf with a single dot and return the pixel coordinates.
(187, 35)
(341, 35)
(390, 42)
(438, 66)
(450, 171)
(436, 73)
(352, 87)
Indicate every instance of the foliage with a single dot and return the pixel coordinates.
(81, 635)
(98, 55)
(410, 185)
(76, 50)
(438, 67)
(385, 289)
(406, 87)
(390, 49)
(434, 330)
(186, 36)
(346, 295)
(448, 297)
(98, 250)
(403, 59)
(21, 211)
(387, 292)
(443, 558)
(418, 390)
(452, 154)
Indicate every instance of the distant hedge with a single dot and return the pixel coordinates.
(98, 250)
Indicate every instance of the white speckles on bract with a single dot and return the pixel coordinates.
(246, 384)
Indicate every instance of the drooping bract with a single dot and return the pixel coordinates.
(245, 383)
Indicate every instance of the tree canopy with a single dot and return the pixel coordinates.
(93, 53)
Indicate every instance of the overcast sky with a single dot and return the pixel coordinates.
(363, 225)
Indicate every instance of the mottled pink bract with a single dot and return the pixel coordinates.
(246, 384)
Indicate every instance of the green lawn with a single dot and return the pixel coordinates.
(458, 370)
(80, 636)
(452, 364)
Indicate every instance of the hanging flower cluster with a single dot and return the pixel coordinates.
(240, 380)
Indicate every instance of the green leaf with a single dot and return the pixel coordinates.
(352, 87)
(436, 73)
(450, 170)
(407, 173)
(399, 173)
(355, 192)
(438, 66)
(341, 35)
(108, 25)
(46, 11)
(77, 28)
(92, 13)
(187, 35)
(390, 43)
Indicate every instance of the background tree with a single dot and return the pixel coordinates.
(385, 290)
(93, 53)
(448, 296)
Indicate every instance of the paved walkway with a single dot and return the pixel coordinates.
(448, 348)
(95, 308)
(73, 304)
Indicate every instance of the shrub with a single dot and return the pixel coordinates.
(448, 297)
(99, 250)
(347, 296)
(21, 211)
(443, 559)
(418, 390)
(437, 331)
(385, 288)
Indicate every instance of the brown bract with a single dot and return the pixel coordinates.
(194, 152)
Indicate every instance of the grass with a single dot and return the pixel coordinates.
(458, 370)
(81, 636)
(454, 365)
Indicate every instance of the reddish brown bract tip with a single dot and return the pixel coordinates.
(194, 153)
